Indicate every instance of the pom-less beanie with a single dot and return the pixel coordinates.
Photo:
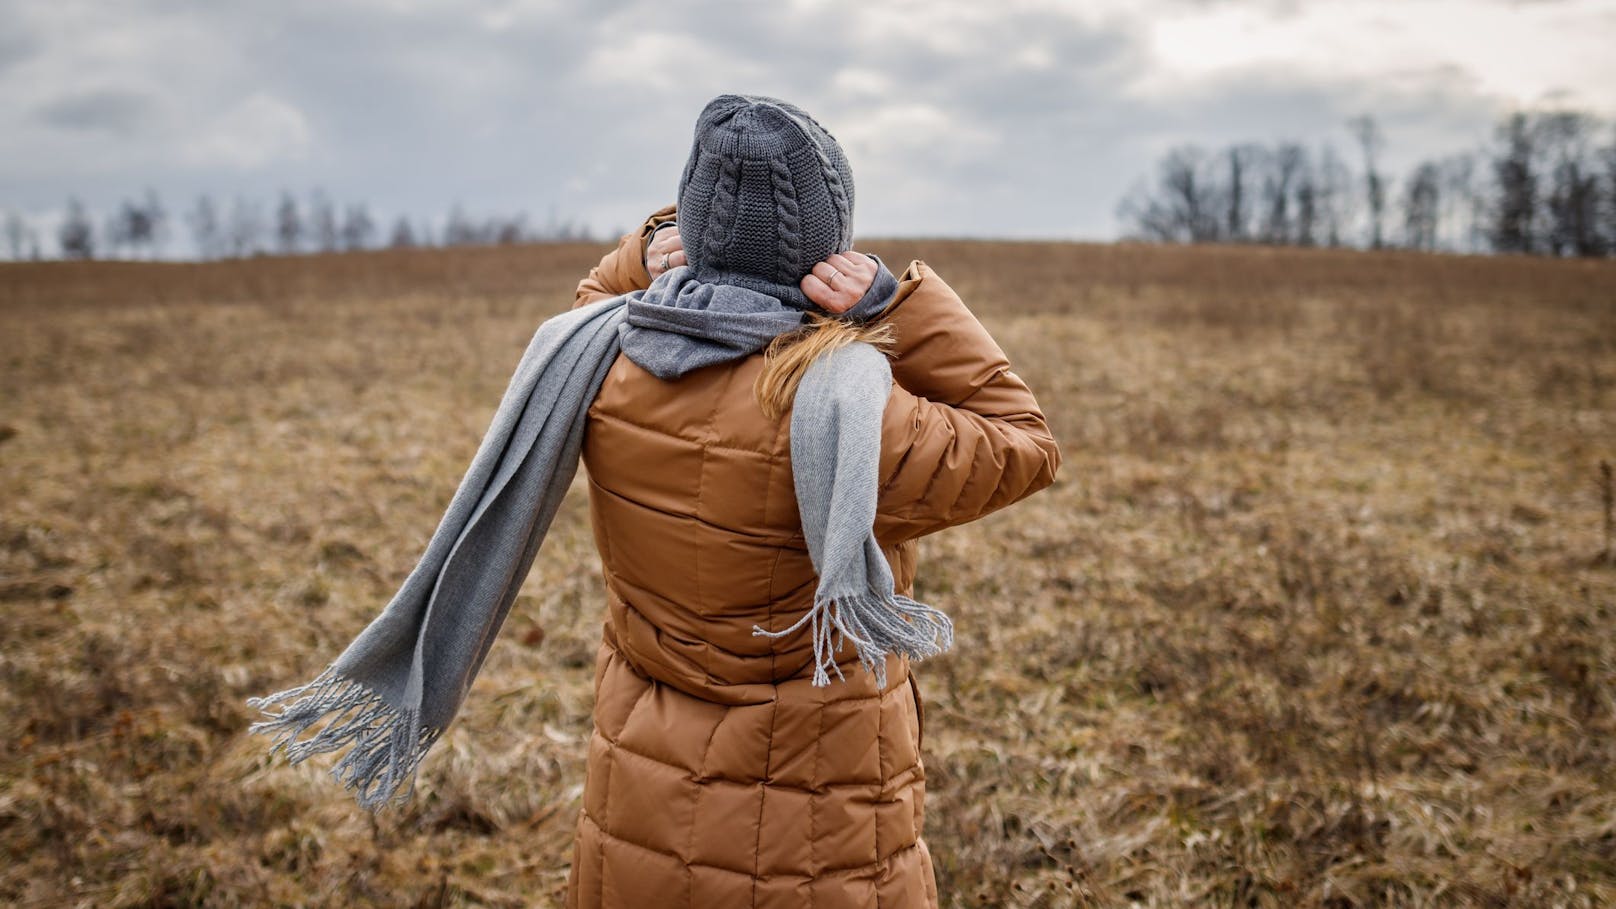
(766, 193)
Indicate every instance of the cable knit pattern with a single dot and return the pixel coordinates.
(838, 193)
(788, 222)
(721, 213)
(766, 194)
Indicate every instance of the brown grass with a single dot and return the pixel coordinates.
(1315, 615)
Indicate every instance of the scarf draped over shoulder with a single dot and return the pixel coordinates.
(389, 695)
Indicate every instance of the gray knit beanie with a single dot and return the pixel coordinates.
(766, 193)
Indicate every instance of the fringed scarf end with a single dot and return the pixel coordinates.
(876, 625)
(387, 744)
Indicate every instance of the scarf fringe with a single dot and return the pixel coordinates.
(876, 625)
(388, 743)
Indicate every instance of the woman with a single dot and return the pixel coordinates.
(756, 490)
(719, 774)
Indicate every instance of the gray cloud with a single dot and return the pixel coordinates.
(1027, 119)
(15, 47)
(104, 110)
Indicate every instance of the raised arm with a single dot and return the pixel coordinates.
(962, 435)
(622, 269)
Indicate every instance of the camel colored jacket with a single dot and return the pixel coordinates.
(717, 774)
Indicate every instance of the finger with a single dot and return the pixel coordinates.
(855, 278)
(829, 275)
(821, 294)
(658, 260)
(839, 305)
(850, 266)
(816, 289)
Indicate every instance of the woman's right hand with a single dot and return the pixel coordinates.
(665, 242)
(840, 281)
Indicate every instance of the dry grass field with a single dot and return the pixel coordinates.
(1320, 612)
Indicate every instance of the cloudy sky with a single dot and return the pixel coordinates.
(960, 117)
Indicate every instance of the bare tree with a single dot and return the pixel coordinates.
(1240, 161)
(512, 230)
(1544, 183)
(1334, 181)
(1285, 166)
(1459, 220)
(1182, 207)
(20, 237)
(1279, 195)
(76, 235)
(1572, 200)
(206, 232)
(459, 231)
(1307, 207)
(1143, 216)
(247, 228)
(358, 230)
(1370, 140)
(135, 225)
(156, 223)
(288, 225)
(322, 223)
(403, 236)
(139, 227)
(1515, 176)
(1609, 159)
(1422, 197)
(115, 232)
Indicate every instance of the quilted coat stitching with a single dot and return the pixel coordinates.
(813, 806)
(716, 446)
(768, 758)
(862, 869)
(734, 765)
(776, 539)
(880, 751)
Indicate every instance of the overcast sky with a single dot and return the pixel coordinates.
(960, 117)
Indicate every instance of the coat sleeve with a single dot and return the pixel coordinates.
(622, 269)
(962, 435)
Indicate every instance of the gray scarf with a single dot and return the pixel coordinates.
(392, 692)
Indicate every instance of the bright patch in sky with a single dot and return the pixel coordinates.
(1521, 53)
(258, 131)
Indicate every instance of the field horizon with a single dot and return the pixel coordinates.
(1319, 611)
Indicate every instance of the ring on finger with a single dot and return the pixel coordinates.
(831, 281)
(664, 261)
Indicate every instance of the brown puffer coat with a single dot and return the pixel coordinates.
(718, 776)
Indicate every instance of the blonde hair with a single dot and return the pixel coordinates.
(789, 356)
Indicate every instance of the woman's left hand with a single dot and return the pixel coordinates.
(839, 281)
(666, 251)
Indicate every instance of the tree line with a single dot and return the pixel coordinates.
(1545, 184)
(144, 228)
